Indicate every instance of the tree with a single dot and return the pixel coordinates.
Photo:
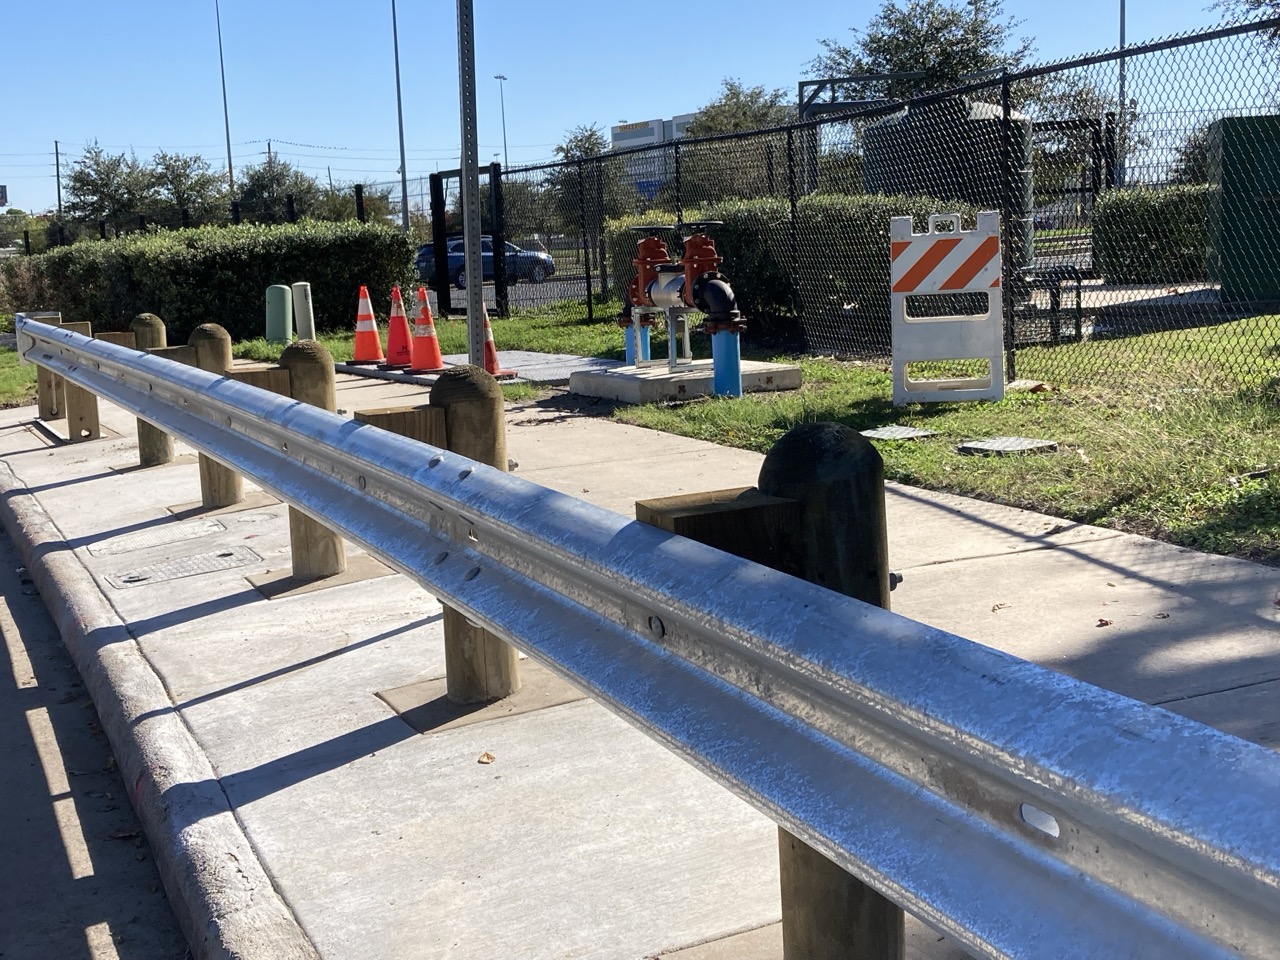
(115, 187)
(339, 203)
(740, 108)
(186, 182)
(265, 187)
(1192, 163)
(598, 189)
(943, 42)
(581, 142)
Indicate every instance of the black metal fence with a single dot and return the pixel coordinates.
(1139, 194)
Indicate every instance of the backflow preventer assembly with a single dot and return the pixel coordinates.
(675, 289)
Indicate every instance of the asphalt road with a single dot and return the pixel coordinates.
(78, 881)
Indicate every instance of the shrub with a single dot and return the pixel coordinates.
(213, 275)
(1151, 236)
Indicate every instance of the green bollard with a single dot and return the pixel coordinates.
(279, 314)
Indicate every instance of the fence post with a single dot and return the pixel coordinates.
(186, 218)
(586, 240)
(219, 486)
(235, 212)
(478, 666)
(498, 215)
(1011, 237)
(793, 225)
(818, 514)
(102, 229)
(154, 445)
(142, 222)
(679, 187)
(440, 237)
(26, 242)
(290, 208)
(316, 550)
(599, 222)
(360, 202)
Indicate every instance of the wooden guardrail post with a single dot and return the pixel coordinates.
(155, 447)
(48, 383)
(219, 486)
(478, 666)
(317, 551)
(818, 514)
(79, 405)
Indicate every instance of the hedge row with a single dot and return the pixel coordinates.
(1152, 236)
(213, 275)
(842, 251)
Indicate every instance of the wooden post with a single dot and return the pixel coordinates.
(126, 339)
(80, 406)
(423, 422)
(48, 384)
(478, 666)
(219, 486)
(317, 551)
(155, 447)
(818, 514)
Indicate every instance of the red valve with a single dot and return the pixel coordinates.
(650, 252)
(699, 257)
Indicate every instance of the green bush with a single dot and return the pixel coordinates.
(1152, 236)
(842, 248)
(213, 275)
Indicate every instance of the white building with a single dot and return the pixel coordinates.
(649, 170)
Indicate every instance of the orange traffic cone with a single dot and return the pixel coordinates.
(491, 351)
(398, 351)
(368, 343)
(426, 347)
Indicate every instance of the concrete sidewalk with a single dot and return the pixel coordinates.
(273, 742)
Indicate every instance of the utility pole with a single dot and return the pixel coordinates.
(57, 172)
(226, 117)
(404, 172)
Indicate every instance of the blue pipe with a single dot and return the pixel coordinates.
(726, 364)
(631, 345)
(644, 343)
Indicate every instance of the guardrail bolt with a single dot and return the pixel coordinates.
(155, 447)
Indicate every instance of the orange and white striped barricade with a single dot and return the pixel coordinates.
(946, 261)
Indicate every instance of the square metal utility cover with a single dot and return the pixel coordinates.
(898, 433)
(1003, 445)
(163, 535)
(227, 559)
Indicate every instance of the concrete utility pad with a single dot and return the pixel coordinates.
(655, 384)
(553, 368)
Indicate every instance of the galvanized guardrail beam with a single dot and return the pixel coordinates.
(1020, 812)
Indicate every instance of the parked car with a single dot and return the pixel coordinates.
(521, 264)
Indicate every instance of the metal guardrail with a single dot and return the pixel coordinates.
(1020, 812)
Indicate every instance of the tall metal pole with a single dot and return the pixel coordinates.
(1123, 110)
(404, 173)
(226, 116)
(470, 183)
(502, 99)
(57, 172)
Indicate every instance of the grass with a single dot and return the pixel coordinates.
(1165, 451)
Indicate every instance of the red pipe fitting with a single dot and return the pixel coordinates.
(650, 252)
(699, 257)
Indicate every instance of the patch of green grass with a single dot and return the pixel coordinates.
(1155, 456)
(17, 382)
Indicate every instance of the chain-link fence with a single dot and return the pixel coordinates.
(1139, 194)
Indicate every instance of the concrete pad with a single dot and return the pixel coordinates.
(275, 584)
(253, 500)
(177, 461)
(426, 707)
(549, 368)
(1250, 712)
(658, 384)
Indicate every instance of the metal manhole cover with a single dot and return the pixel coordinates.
(1002, 445)
(159, 537)
(898, 433)
(227, 559)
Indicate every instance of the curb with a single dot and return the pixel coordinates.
(223, 899)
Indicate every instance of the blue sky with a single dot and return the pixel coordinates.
(316, 77)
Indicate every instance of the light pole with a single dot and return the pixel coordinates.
(502, 99)
(226, 117)
(404, 172)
